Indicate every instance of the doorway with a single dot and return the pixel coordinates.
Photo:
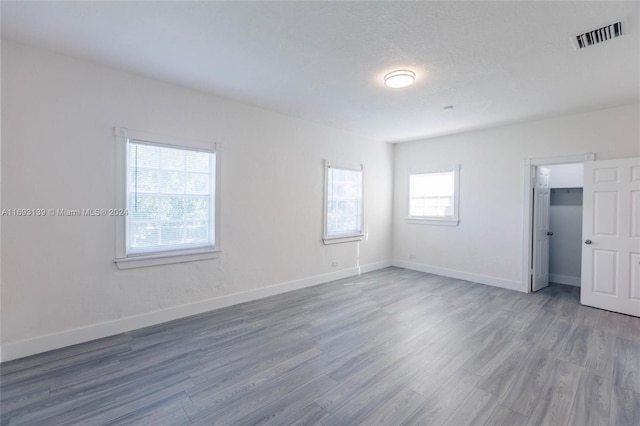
(610, 252)
(553, 221)
(565, 223)
(556, 235)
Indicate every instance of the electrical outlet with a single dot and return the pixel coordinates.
(334, 263)
(412, 255)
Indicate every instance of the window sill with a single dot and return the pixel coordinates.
(166, 258)
(338, 240)
(439, 222)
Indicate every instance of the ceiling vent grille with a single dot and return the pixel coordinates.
(598, 35)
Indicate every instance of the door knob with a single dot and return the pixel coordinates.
(588, 242)
(549, 233)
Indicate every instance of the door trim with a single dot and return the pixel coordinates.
(528, 171)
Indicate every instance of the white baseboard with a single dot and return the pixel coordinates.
(461, 275)
(65, 338)
(564, 279)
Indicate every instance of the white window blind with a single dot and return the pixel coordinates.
(344, 190)
(431, 194)
(170, 198)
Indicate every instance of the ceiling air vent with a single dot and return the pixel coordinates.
(598, 35)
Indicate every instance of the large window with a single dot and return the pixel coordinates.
(433, 196)
(170, 198)
(343, 202)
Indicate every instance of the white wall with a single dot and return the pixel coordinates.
(487, 245)
(566, 175)
(59, 283)
(565, 245)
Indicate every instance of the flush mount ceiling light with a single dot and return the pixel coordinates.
(399, 79)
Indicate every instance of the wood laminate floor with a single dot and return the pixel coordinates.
(391, 347)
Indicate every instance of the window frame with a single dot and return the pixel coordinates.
(452, 220)
(347, 237)
(136, 260)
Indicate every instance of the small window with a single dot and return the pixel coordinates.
(343, 214)
(433, 196)
(170, 198)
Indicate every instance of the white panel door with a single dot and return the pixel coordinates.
(611, 234)
(541, 233)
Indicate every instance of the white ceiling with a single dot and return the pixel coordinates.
(496, 62)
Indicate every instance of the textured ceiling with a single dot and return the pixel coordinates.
(496, 62)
